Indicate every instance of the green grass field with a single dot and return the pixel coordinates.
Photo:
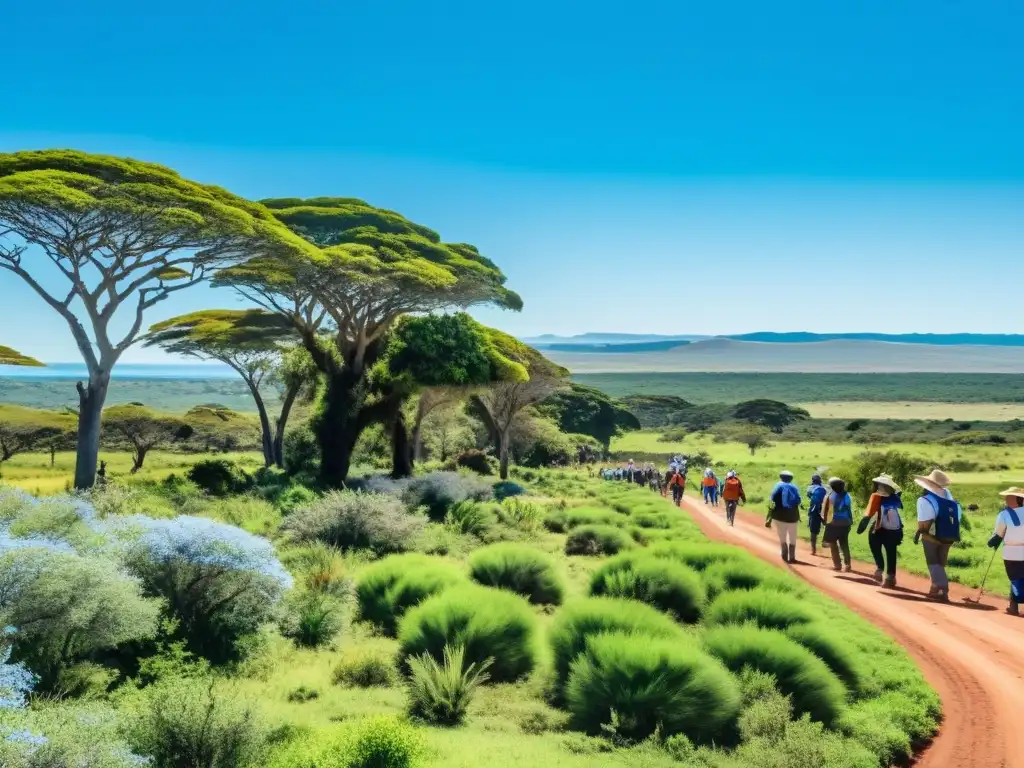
(853, 409)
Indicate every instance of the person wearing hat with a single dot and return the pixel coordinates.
(885, 528)
(784, 512)
(816, 493)
(1009, 532)
(732, 495)
(837, 512)
(938, 528)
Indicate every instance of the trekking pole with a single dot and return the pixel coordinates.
(983, 580)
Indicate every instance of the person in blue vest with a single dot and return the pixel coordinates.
(938, 528)
(1009, 532)
(837, 512)
(816, 493)
(784, 513)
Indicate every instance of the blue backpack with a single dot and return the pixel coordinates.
(843, 511)
(947, 518)
(1014, 517)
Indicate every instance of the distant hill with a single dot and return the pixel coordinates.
(640, 346)
(936, 339)
(548, 340)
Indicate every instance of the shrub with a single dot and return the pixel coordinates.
(313, 620)
(469, 517)
(519, 569)
(188, 723)
(520, 514)
(732, 575)
(798, 672)
(653, 520)
(475, 461)
(386, 590)
(66, 736)
(383, 742)
(766, 608)
(697, 556)
(293, 497)
(668, 586)
(355, 520)
(862, 468)
(580, 620)
(651, 684)
(301, 451)
(488, 623)
(440, 694)
(766, 718)
(219, 477)
(829, 646)
(439, 491)
(506, 489)
(366, 670)
(597, 540)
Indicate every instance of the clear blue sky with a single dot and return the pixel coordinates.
(648, 167)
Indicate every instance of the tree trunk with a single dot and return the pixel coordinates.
(338, 426)
(90, 411)
(138, 459)
(266, 434)
(503, 454)
(417, 434)
(282, 421)
(401, 450)
(53, 455)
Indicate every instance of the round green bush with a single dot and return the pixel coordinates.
(697, 556)
(584, 618)
(797, 671)
(664, 584)
(488, 623)
(829, 646)
(520, 569)
(390, 587)
(732, 575)
(651, 684)
(383, 742)
(597, 540)
(767, 608)
(220, 477)
(653, 520)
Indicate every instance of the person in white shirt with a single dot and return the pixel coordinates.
(938, 528)
(1009, 532)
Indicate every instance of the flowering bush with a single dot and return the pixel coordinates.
(356, 520)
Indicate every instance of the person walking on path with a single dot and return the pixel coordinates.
(885, 528)
(710, 487)
(1009, 532)
(816, 493)
(677, 484)
(938, 528)
(784, 512)
(732, 495)
(837, 512)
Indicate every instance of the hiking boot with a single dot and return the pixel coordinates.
(878, 575)
(814, 548)
(890, 582)
(848, 568)
(938, 594)
(1014, 608)
(792, 553)
(785, 553)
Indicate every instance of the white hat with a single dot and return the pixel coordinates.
(786, 473)
(937, 482)
(731, 473)
(884, 479)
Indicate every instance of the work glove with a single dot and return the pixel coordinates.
(995, 541)
(863, 524)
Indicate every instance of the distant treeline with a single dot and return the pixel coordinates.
(812, 387)
(936, 339)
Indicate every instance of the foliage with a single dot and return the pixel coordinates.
(588, 411)
(440, 693)
(65, 735)
(365, 670)
(829, 646)
(219, 477)
(439, 491)
(767, 608)
(355, 520)
(731, 575)
(652, 685)
(798, 672)
(384, 742)
(772, 414)
(475, 461)
(597, 540)
(488, 623)
(469, 517)
(506, 489)
(583, 619)
(654, 410)
(565, 520)
(144, 429)
(901, 467)
(697, 556)
(669, 586)
(389, 588)
(521, 514)
(10, 356)
(520, 569)
(301, 451)
(313, 619)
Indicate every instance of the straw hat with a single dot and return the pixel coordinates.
(1013, 490)
(786, 473)
(884, 479)
(936, 482)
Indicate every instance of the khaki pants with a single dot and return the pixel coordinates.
(786, 532)
(935, 555)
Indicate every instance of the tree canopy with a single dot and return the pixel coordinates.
(10, 356)
(144, 429)
(772, 414)
(588, 411)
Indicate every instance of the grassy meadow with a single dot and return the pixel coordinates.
(854, 409)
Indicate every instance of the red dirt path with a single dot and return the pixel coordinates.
(972, 655)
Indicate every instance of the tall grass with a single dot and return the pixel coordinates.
(766, 608)
(518, 568)
(664, 584)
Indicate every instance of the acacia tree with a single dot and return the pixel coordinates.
(501, 404)
(249, 341)
(144, 429)
(373, 266)
(581, 410)
(10, 356)
(93, 234)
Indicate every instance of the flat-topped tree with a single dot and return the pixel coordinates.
(250, 341)
(373, 267)
(144, 429)
(10, 356)
(94, 234)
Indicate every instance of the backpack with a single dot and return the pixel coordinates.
(731, 490)
(1014, 517)
(843, 512)
(947, 518)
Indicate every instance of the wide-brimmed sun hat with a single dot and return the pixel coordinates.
(1013, 490)
(884, 479)
(786, 473)
(937, 481)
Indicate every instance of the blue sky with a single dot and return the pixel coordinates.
(645, 167)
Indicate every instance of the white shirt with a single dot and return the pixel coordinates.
(1013, 536)
(926, 511)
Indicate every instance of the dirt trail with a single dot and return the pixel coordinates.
(972, 655)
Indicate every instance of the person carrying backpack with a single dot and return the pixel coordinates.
(732, 495)
(885, 528)
(816, 493)
(784, 512)
(710, 484)
(677, 484)
(837, 512)
(1009, 532)
(938, 528)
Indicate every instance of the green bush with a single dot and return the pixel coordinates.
(580, 620)
(660, 520)
(469, 517)
(767, 608)
(365, 670)
(354, 520)
(293, 497)
(475, 461)
(301, 451)
(387, 589)
(520, 514)
(798, 672)
(441, 693)
(697, 556)
(520, 569)
(488, 623)
(506, 489)
(219, 477)
(439, 491)
(597, 540)
(651, 684)
(383, 742)
(312, 620)
(732, 575)
(667, 585)
(830, 646)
